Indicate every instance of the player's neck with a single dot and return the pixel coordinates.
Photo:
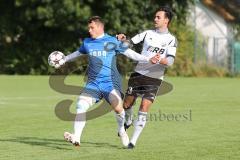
(100, 36)
(162, 30)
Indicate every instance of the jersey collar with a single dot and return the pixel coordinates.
(101, 36)
(163, 32)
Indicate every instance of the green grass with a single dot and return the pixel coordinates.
(30, 130)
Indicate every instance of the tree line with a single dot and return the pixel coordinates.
(31, 29)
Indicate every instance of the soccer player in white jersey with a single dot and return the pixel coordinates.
(103, 77)
(147, 78)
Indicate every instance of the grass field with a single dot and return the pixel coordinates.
(30, 130)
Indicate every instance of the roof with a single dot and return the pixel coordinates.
(228, 9)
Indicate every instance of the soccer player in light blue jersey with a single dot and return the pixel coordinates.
(103, 77)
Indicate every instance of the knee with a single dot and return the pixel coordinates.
(128, 103)
(145, 106)
(118, 109)
(83, 103)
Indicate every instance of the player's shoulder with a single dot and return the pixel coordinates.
(107, 36)
(172, 38)
(86, 40)
(171, 35)
(153, 32)
(146, 31)
(110, 37)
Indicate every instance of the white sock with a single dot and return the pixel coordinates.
(79, 124)
(120, 117)
(138, 126)
(80, 120)
(129, 115)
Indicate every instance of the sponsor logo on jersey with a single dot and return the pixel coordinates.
(99, 53)
(155, 50)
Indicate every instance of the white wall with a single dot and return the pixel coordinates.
(215, 31)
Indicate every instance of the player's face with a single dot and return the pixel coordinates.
(160, 21)
(95, 29)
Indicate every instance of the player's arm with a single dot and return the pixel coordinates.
(68, 58)
(76, 54)
(123, 48)
(72, 56)
(170, 56)
(135, 56)
(134, 40)
(168, 61)
(57, 59)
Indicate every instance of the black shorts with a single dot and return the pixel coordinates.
(140, 85)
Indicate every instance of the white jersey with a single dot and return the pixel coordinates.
(155, 42)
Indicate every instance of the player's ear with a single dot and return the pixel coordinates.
(167, 21)
(100, 25)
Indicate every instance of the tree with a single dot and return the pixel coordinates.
(31, 29)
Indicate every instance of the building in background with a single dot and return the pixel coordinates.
(214, 34)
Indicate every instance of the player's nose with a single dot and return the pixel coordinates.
(155, 19)
(89, 30)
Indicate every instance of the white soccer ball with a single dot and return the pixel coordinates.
(56, 59)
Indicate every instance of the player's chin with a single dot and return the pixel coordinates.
(93, 36)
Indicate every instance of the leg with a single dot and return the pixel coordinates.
(145, 105)
(128, 107)
(116, 102)
(83, 103)
(140, 121)
(130, 98)
(149, 88)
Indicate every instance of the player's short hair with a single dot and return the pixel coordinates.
(168, 12)
(96, 19)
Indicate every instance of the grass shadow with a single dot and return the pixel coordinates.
(100, 144)
(55, 143)
(36, 141)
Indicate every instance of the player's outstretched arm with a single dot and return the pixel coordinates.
(72, 56)
(135, 56)
(138, 57)
(57, 59)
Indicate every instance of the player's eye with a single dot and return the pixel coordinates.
(157, 17)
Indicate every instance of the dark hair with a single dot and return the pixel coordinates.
(96, 19)
(168, 12)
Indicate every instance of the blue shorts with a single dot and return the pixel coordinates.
(99, 90)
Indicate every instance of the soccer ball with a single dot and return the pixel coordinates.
(56, 59)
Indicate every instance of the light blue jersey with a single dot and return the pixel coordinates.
(103, 75)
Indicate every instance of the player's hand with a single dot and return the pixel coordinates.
(121, 37)
(155, 59)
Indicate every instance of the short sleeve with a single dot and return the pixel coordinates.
(172, 47)
(121, 47)
(139, 37)
(82, 48)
